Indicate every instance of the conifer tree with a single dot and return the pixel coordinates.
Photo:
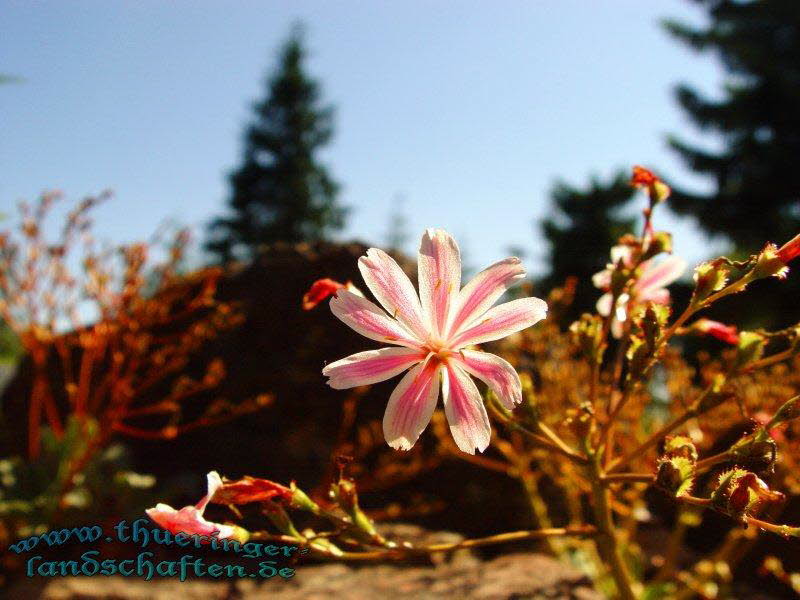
(281, 192)
(584, 226)
(756, 195)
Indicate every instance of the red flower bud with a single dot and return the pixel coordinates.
(790, 250)
(725, 333)
(319, 291)
(251, 489)
(642, 176)
(656, 189)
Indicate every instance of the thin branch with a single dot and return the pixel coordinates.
(628, 478)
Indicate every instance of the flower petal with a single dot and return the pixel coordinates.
(483, 290)
(660, 275)
(369, 367)
(463, 406)
(439, 265)
(187, 520)
(604, 304)
(214, 483)
(501, 321)
(370, 321)
(602, 279)
(659, 296)
(621, 252)
(495, 372)
(393, 289)
(411, 405)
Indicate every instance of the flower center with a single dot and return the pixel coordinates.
(439, 349)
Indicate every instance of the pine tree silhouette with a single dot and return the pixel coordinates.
(757, 196)
(281, 192)
(585, 225)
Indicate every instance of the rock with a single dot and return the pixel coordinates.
(521, 575)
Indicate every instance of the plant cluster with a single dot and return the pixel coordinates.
(606, 413)
(108, 335)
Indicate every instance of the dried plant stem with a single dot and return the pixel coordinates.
(710, 461)
(651, 441)
(769, 360)
(549, 440)
(628, 478)
(406, 552)
(736, 286)
(606, 539)
(782, 530)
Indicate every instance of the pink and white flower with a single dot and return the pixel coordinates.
(189, 519)
(651, 286)
(431, 333)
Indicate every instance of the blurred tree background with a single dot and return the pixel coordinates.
(584, 224)
(756, 121)
(281, 192)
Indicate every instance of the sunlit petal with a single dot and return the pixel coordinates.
(501, 321)
(411, 405)
(393, 289)
(483, 290)
(495, 372)
(370, 367)
(439, 266)
(370, 321)
(463, 407)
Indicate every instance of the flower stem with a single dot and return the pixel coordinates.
(606, 539)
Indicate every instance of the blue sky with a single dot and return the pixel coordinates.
(469, 110)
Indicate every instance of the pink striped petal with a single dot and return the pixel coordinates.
(411, 405)
(393, 289)
(463, 406)
(501, 321)
(439, 264)
(370, 367)
(370, 321)
(187, 520)
(483, 290)
(495, 372)
(660, 275)
(659, 296)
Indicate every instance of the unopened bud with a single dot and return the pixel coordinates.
(788, 411)
(301, 501)
(709, 277)
(768, 263)
(657, 190)
(676, 475)
(587, 334)
(660, 241)
(680, 445)
(750, 348)
(790, 250)
(725, 333)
